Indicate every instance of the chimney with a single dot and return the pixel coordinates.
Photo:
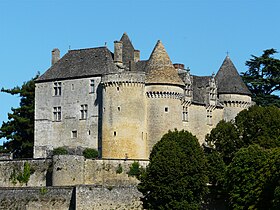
(118, 47)
(55, 55)
(179, 66)
(136, 55)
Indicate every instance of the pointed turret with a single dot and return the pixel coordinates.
(229, 81)
(160, 69)
(127, 49)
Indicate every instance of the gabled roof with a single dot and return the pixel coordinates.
(229, 81)
(160, 69)
(80, 63)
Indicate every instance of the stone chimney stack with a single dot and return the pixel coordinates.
(118, 48)
(55, 55)
(136, 55)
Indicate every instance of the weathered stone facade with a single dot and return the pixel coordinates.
(122, 105)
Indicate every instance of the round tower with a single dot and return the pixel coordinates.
(232, 91)
(164, 91)
(124, 116)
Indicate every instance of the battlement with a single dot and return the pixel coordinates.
(123, 78)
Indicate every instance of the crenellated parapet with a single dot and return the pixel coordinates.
(240, 104)
(163, 94)
(124, 79)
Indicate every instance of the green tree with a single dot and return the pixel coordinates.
(245, 178)
(224, 139)
(259, 125)
(19, 129)
(253, 179)
(263, 78)
(176, 175)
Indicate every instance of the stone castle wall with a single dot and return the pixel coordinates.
(124, 116)
(40, 174)
(50, 133)
(75, 170)
(82, 197)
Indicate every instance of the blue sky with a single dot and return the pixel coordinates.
(197, 33)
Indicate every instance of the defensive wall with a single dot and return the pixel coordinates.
(82, 197)
(68, 182)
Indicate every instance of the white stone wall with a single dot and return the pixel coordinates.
(50, 134)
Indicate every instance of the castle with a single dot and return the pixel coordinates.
(121, 105)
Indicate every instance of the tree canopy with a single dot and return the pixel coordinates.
(244, 159)
(19, 129)
(263, 78)
(176, 175)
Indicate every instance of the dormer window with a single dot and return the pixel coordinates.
(57, 88)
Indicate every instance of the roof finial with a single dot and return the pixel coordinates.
(227, 52)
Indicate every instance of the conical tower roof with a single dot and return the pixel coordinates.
(160, 69)
(229, 81)
(128, 49)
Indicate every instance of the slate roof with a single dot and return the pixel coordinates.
(128, 49)
(80, 63)
(199, 88)
(160, 69)
(229, 81)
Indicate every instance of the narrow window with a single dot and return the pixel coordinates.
(92, 86)
(119, 108)
(185, 114)
(115, 133)
(84, 111)
(209, 117)
(57, 113)
(57, 88)
(166, 109)
(72, 87)
(118, 88)
(74, 134)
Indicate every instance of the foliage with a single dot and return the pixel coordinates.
(257, 125)
(43, 190)
(224, 139)
(244, 178)
(253, 178)
(119, 169)
(90, 153)
(135, 170)
(263, 78)
(19, 129)
(22, 176)
(176, 175)
(60, 151)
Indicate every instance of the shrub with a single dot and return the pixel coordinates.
(119, 169)
(60, 151)
(90, 153)
(135, 170)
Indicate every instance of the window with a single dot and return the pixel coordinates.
(57, 88)
(84, 110)
(166, 109)
(209, 117)
(115, 133)
(92, 86)
(72, 87)
(74, 134)
(119, 108)
(118, 88)
(185, 113)
(57, 113)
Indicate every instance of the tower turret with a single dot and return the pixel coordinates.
(164, 91)
(232, 91)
